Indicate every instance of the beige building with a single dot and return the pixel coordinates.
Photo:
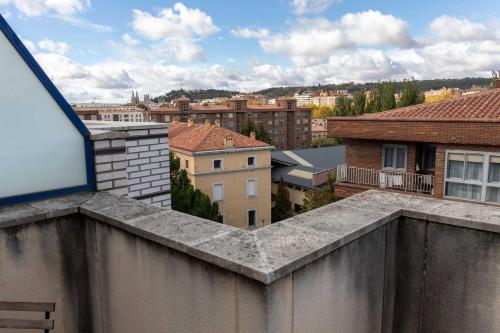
(232, 169)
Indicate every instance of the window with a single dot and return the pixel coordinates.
(238, 105)
(394, 157)
(230, 115)
(473, 176)
(429, 157)
(251, 188)
(218, 164)
(251, 217)
(184, 107)
(186, 164)
(251, 161)
(289, 105)
(218, 192)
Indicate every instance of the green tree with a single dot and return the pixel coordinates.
(260, 132)
(262, 135)
(319, 197)
(283, 207)
(410, 95)
(359, 102)
(188, 200)
(382, 97)
(343, 106)
(321, 112)
(248, 128)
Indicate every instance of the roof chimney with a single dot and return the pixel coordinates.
(190, 122)
(252, 135)
(497, 83)
(217, 122)
(228, 142)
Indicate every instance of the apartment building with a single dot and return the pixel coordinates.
(288, 125)
(232, 169)
(124, 113)
(447, 149)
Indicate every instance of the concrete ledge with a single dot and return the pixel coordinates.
(265, 254)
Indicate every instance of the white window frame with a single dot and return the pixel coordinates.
(256, 217)
(221, 164)
(254, 161)
(213, 192)
(395, 146)
(246, 189)
(483, 183)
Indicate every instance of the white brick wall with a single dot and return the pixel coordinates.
(140, 169)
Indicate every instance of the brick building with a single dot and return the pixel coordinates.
(446, 149)
(288, 125)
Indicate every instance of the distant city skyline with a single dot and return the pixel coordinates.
(101, 50)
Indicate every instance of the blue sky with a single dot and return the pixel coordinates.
(105, 49)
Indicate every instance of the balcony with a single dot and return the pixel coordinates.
(383, 179)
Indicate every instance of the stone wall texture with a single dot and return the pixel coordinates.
(405, 276)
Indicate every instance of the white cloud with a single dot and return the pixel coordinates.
(249, 33)
(41, 7)
(85, 24)
(127, 39)
(54, 47)
(301, 7)
(6, 14)
(374, 28)
(311, 42)
(176, 22)
(29, 44)
(457, 29)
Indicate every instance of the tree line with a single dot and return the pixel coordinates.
(381, 98)
(423, 85)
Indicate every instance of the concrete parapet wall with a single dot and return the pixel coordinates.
(376, 262)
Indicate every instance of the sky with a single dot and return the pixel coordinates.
(102, 50)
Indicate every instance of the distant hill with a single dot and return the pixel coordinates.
(195, 95)
(423, 85)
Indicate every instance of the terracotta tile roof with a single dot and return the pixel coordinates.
(197, 138)
(484, 106)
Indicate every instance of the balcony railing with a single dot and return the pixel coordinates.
(386, 179)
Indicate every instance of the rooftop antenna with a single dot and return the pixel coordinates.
(181, 84)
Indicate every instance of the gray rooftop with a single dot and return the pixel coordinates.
(307, 161)
(264, 254)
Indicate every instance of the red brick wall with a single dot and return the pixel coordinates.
(346, 191)
(368, 154)
(450, 132)
(363, 154)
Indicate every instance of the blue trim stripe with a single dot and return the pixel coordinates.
(44, 195)
(64, 105)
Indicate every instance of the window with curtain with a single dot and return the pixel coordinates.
(473, 176)
(394, 157)
(493, 186)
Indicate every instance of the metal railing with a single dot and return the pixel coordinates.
(386, 179)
